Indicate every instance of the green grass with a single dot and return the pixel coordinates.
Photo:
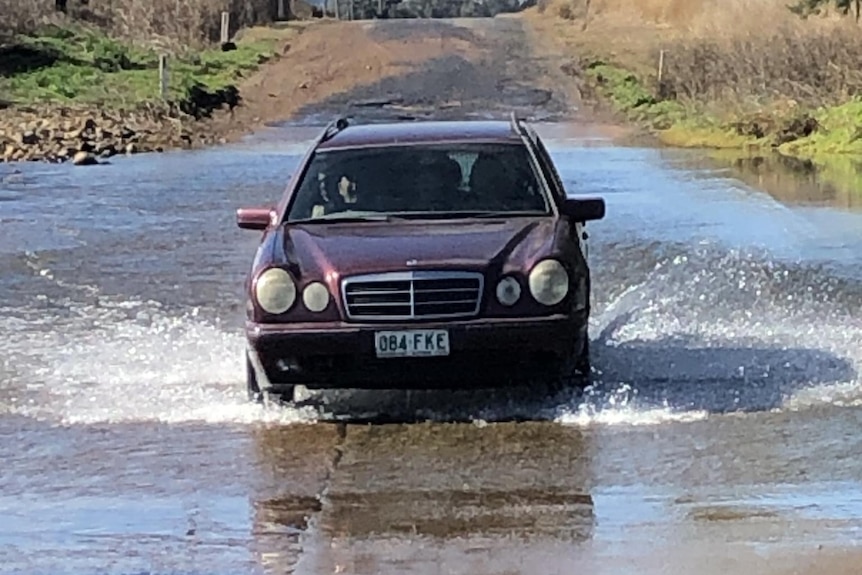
(840, 132)
(675, 124)
(91, 68)
(628, 94)
(835, 149)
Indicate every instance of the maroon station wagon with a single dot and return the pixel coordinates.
(420, 254)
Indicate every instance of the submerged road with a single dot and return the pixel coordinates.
(722, 435)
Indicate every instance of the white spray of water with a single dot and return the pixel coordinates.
(729, 331)
(692, 337)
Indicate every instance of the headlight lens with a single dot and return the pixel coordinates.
(275, 291)
(508, 291)
(315, 297)
(549, 282)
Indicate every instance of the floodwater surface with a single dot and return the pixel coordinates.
(722, 433)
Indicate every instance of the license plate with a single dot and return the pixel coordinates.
(414, 343)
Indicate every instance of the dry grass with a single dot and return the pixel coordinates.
(21, 16)
(758, 52)
(733, 52)
(190, 22)
(812, 66)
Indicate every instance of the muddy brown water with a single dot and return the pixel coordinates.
(722, 434)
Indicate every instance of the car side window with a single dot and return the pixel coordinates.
(548, 168)
(513, 172)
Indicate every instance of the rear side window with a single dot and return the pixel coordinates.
(551, 174)
(414, 179)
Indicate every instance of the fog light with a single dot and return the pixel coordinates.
(315, 297)
(508, 291)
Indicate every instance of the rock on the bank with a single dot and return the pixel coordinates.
(84, 159)
(60, 134)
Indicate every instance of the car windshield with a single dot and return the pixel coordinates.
(411, 181)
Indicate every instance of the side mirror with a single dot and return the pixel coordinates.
(584, 209)
(254, 218)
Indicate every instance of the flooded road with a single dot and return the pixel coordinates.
(722, 433)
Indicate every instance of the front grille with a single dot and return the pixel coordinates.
(413, 295)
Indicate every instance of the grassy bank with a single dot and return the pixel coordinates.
(85, 66)
(739, 75)
(785, 126)
(73, 90)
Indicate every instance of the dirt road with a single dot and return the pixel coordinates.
(412, 69)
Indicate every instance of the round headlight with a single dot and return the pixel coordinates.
(275, 291)
(508, 291)
(549, 282)
(315, 297)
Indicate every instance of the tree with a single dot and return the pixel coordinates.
(805, 7)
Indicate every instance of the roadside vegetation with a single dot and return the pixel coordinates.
(738, 74)
(185, 22)
(81, 78)
(78, 64)
(112, 57)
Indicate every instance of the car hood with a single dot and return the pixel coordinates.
(343, 249)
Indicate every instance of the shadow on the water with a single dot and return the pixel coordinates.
(390, 406)
(675, 373)
(682, 374)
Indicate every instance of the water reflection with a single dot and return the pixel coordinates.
(405, 490)
(831, 181)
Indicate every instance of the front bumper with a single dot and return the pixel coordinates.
(483, 353)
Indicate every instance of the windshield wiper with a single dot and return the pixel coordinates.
(394, 216)
(346, 218)
(507, 214)
(453, 215)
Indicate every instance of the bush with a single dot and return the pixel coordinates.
(810, 65)
(188, 21)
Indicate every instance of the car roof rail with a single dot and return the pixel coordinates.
(332, 128)
(515, 121)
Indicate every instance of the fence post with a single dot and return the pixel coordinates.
(660, 66)
(163, 76)
(337, 11)
(281, 9)
(225, 27)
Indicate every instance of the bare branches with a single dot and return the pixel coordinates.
(185, 21)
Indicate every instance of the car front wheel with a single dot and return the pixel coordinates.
(583, 364)
(573, 371)
(251, 385)
(256, 395)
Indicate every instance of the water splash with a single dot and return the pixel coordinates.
(701, 331)
(153, 368)
(678, 334)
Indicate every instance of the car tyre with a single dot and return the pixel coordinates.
(583, 364)
(574, 372)
(252, 387)
(256, 395)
